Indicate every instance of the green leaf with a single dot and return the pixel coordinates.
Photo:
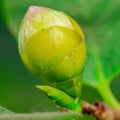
(40, 116)
(103, 47)
(100, 20)
(5, 111)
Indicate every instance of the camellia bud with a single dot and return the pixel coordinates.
(52, 46)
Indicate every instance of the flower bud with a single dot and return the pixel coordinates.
(52, 46)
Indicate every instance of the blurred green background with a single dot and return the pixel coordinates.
(17, 84)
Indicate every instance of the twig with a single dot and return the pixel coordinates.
(100, 111)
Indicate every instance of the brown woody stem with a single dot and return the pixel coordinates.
(101, 111)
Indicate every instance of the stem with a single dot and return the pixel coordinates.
(40, 116)
(100, 111)
(107, 95)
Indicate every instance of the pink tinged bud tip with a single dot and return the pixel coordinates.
(33, 10)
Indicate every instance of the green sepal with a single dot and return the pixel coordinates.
(61, 98)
